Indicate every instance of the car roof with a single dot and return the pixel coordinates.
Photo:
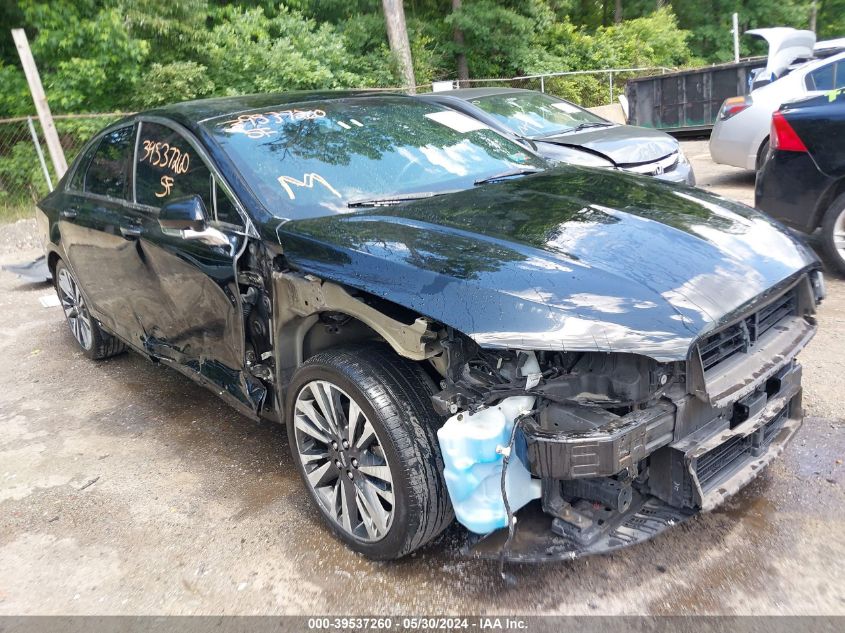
(475, 93)
(812, 64)
(193, 113)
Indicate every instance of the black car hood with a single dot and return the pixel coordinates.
(569, 259)
(623, 144)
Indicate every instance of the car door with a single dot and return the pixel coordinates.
(97, 228)
(193, 317)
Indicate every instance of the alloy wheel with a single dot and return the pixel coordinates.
(344, 461)
(839, 235)
(75, 310)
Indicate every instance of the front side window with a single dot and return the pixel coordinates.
(108, 172)
(167, 167)
(224, 209)
(321, 158)
(537, 115)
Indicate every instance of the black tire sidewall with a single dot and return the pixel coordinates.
(834, 258)
(762, 152)
(395, 543)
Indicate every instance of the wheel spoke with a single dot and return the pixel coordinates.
(306, 426)
(368, 435)
(372, 509)
(66, 286)
(349, 507)
(311, 457)
(352, 420)
(309, 411)
(326, 404)
(379, 472)
(322, 475)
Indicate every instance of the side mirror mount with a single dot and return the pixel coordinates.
(183, 214)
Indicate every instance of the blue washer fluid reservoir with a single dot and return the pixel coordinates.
(473, 467)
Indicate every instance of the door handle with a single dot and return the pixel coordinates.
(69, 214)
(131, 232)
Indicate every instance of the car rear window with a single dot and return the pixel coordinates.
(108, 173)
(827, 77)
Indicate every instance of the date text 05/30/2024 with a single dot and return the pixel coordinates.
(417, 624)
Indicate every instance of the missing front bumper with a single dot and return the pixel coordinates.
(696, 474)
(535, 542)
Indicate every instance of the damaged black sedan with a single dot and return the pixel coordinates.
(568, 360)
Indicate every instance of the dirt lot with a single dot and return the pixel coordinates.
(125, 488)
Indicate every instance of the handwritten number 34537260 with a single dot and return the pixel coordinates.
(165, 155)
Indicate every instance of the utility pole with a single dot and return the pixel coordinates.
(397, 35)
(735, 31)
(460, 57)
(54, 147)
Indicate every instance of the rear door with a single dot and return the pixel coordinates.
(193, 318)
(96, 225)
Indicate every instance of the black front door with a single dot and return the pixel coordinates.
(192, 318)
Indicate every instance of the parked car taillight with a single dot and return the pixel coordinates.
(783, 136)
(734, 106)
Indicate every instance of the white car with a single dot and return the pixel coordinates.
(740, 136)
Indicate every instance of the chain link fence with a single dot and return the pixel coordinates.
(23, 180)
(587, 88)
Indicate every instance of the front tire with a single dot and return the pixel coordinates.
(833, 234)
(362, 431)
(94, 342)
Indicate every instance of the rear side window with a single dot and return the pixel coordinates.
(167, 167)
(108, 172)
(827, 77)
(77, 182)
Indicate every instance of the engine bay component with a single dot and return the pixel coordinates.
(581, 442)
(472, 446)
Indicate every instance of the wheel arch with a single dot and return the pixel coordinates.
(830, 195)
(52, 259)
(312, 315)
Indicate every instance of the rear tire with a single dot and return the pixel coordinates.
(761, 154)
(379, 515)
(833, 234)
(94, 342)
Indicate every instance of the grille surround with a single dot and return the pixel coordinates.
(743, 336)
(718, 463)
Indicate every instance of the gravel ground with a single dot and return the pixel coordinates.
(127, 489)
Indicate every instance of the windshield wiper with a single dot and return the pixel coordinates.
(508, 174)
(584, 126)
(395, 199)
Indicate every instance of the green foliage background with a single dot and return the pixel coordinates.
(105, 55)
(127, 55)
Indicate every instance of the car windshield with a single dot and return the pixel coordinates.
(329, 157)
(536, 115)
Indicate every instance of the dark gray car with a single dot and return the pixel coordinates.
(561, 131)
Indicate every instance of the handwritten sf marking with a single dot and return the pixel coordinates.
(167, 183)
(308, 181)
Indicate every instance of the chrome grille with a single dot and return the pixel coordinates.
(741, 337)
